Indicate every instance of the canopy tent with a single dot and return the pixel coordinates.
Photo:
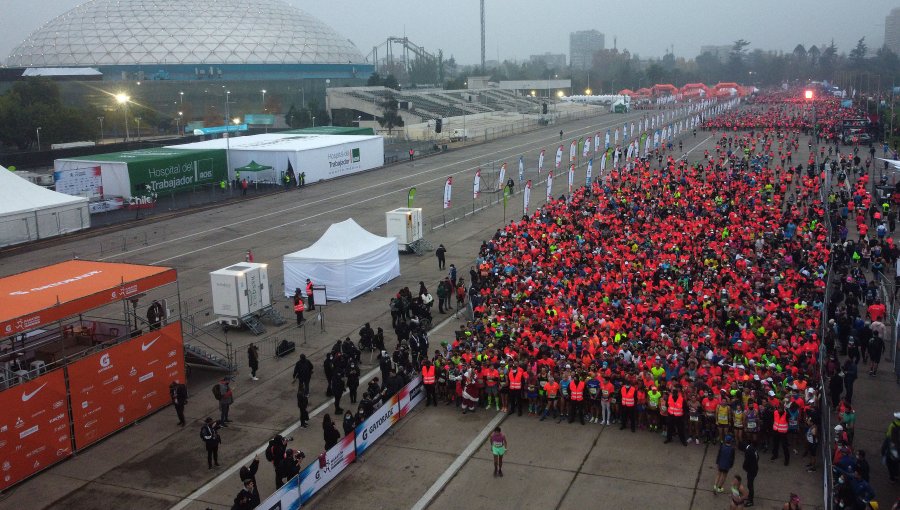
(348, 260)
(35, 298)
(256, 170)
(29, 212)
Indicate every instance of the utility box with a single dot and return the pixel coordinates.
(240, 291)
(405, 224)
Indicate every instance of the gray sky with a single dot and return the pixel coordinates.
(516, 29)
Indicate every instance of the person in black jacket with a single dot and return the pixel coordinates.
(330, 432)
(289, 466)
(751, 467)
(179, 396)
(253, 360)
(337, 389)
(349, 422)
(353, 380)
(303, 371)
(248, 498)
(209, 433)
(303, 403)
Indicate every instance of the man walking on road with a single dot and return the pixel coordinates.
(226, 400)
(209, 433)
(441, 254)
(303, 371)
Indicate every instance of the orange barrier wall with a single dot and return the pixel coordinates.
(34, 427)
(115, 387)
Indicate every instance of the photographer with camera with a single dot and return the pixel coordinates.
(275, 453)
(209, 433)
(289, 466)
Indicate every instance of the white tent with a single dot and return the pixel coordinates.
(347, 259)
(29, 212)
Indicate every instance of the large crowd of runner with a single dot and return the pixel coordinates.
(686, 297)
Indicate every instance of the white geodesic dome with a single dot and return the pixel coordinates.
(157, 32)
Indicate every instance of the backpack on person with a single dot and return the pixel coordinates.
(273, 444)
(217, 391)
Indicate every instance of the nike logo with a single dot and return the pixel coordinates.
(146, 346)
(27, 396)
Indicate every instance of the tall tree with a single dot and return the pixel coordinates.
(390, 118)
(858, 54)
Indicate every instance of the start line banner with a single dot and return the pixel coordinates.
(300, 489)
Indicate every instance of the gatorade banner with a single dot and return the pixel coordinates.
(501, 181)
(476, 187)
(411, 395)
(448, 189)
(326, 467)
(117, 386)
(34, 427)
(285, 498)
(376, 425)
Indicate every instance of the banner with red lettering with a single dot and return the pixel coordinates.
(448, 189)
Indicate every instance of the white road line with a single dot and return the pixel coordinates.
(331, 198)
(230, 471)
(454, 468)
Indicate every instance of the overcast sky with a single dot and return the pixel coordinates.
(519, 28)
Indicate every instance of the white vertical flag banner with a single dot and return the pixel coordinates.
(571, 177)
(587, 147)
(550, 185)
(590, 171)
(447, 191)
(559, 156)
(607, 139)
(603, 162)
(521, 169)
(501, 180)
(616, 140)
(526, 197)
(573, 149)
(596, 143)
(616, 157)
(541, 161)
(477, 184)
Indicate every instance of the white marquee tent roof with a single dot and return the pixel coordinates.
(20, 196)
(342, 241)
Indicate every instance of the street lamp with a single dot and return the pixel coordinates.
(182, 97)
(123, 99)
(264, 99)
(314, 121)
(178, 123)
(587, 91)
(101, 128)
(138, 120)
(38, 130)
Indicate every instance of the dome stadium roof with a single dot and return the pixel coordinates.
(156, 32)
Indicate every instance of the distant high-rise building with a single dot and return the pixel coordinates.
(550, 60)
(582, 46)
(892, 30)
(720, 52)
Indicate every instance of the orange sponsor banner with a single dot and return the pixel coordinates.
(34, 427)
(35, 298)
(114, 387)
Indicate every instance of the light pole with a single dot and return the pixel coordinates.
(123, 99)
(314, 121)
(327, 102)
(101, 128)
(264, 99)
(178, 123)
(138, 120)
(38, 130)
(227, 136)
(181, 94)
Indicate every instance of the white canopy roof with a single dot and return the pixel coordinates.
(342, 241)
(18, 195)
